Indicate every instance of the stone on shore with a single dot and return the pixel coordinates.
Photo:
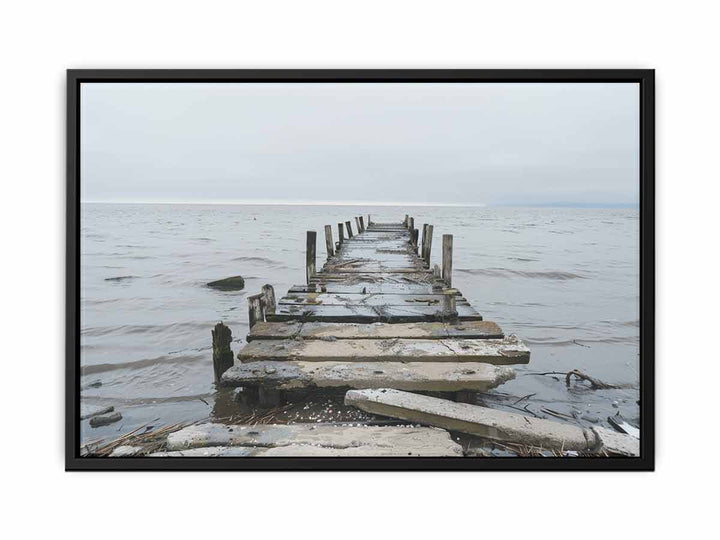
(617, 443)
(310, 439)
(305, 450)
(127, 451)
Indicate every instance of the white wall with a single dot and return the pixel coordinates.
(39, 41)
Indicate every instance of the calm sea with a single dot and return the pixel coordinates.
(565, 280)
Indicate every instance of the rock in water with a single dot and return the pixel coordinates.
(88, 411)
(235, 283)
(105, 419)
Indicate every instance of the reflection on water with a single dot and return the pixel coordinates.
(565, 280)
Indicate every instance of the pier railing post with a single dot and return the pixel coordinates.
(447, 259)
(268, 293)
(255, 311)
(329, 241)
(341, 236)
(349, 229)
(428, 244)
(449, 306)
(424, 241)
(310, 255)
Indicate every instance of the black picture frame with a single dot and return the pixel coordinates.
(646, 80)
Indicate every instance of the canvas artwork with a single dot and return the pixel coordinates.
(360, 270)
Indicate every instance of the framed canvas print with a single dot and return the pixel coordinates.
(360, 269)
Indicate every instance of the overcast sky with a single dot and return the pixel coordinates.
(412, 143)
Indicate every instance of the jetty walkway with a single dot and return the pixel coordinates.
(376, 315)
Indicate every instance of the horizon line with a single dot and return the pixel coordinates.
(256, 202)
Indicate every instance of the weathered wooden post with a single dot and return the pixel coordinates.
(424, 241)
(329, 241)
(255, 309)
(362, 223)
(447, 259)
(406, 221)
(369, 222)
(310, 255)
(269, 304)
(341, 236)
(349, 229)
(357, 225)
(415, 238)
(428, 244)
(449, 305)
(222, 353)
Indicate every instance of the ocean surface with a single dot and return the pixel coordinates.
(565, 280)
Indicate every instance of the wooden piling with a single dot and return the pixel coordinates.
(255, 310)
(349, 229)
(447, 259)
(362, 224)
(411, 223)
(310, 255)
(406, 220)
(424, 241)
(222, 353)
(449, 306)
(428, 244)
(269, 305)
(329, 241)
(357, 225)
(341, 236)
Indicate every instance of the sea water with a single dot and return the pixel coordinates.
(565, 280)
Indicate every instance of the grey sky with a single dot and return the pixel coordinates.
(412, 143)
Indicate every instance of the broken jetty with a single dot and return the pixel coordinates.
(377, 321)
(376, 315)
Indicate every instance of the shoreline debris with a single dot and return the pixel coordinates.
(595, 384)
(619, 423)
(491, 423)
(309, 440)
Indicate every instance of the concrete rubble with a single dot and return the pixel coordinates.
(491, 423)
(310, 440)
